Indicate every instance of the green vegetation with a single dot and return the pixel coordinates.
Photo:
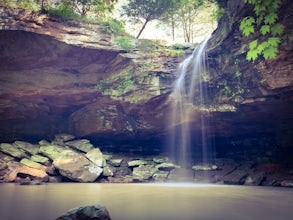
(229, 90)
(265, 25)
(125, 43)
(62, 12)
(112, 26)
(147, 10)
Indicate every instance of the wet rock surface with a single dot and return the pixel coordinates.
(97, 212)
(52, 79)
(69, 164)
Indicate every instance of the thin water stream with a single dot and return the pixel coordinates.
(148, 201)
(189, 92)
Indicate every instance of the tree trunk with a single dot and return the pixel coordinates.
(173, 30)
(142, 28)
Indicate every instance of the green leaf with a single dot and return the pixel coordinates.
(261, 47)
(274, 41)
(259, 9)
(274, 5)
(277, 29)
(270, 53)
(271, 18)
(251, 55)
(246, 26)
(265, 29)
(252, 45)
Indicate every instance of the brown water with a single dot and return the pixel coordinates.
(148, 201)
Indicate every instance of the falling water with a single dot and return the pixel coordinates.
(189, 94)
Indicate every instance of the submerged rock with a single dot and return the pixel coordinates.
(96, 212)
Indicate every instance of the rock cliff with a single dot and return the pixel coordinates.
(68, 77)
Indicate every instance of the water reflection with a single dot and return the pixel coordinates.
(148, 201)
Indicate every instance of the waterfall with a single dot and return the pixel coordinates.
(189, 94)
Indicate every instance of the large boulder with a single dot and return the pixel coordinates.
(96, 156)
(96, 212)
(77, 167)
(52, 151)
(144, 172)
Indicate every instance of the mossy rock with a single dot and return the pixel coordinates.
(116, 162)
(40, 159)
(30, 163)
(144, 172)
(161, 176)
(136, 163)
(107, 157)
(108, 171)
(167, 166)
(160, 159)
(13, 151)
(27, 147)
(96, 156)
(83, 145)
(51, 151)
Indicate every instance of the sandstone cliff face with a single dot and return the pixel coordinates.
(68, 77)
(261, 90)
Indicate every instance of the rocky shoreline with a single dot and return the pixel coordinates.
(66, 159)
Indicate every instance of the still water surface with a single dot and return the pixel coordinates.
(148, 201)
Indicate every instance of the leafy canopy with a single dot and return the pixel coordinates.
(147, 10)
(265, 23)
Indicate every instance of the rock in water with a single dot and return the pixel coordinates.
(76, 167)
(96, 212)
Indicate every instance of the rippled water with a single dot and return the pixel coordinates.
(148, 201)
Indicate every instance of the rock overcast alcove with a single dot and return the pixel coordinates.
(52, 76)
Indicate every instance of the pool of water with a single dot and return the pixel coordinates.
(148, 201)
